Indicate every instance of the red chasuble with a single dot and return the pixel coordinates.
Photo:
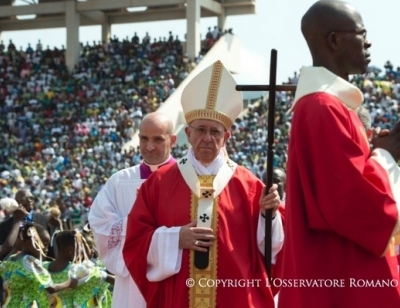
(340, 213)
(164, 200)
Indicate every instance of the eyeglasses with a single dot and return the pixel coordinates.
(30, 198)
(361, 32)
(202, 131)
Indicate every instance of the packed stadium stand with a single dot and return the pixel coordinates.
(63, 133)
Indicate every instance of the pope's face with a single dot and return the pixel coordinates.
(206, 137)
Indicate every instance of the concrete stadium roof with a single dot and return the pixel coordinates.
(51, 13)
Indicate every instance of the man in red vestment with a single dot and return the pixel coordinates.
(196, 232)
(342, 198)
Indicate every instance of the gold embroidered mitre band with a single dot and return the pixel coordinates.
(211, 95)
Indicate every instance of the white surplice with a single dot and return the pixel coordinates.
(108, 221)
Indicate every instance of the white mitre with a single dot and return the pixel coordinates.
(212, 95)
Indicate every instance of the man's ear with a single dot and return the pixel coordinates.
(187, 131)
(227, 135)
(173, 141)
(332, 40)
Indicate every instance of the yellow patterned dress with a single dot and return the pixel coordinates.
(64, 298)
(91, 286)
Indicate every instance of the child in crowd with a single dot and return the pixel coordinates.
(27, 282)
(59, 268)
(73, 261)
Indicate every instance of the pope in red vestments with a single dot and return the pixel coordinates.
(342, 199)
(204, 201)
(164, 201)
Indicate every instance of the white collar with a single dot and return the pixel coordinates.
(319, 79)
(211, 169)
(155, 167)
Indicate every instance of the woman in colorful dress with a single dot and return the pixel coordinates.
(27, 282)
(73, 260)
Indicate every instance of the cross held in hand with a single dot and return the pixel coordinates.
(272, 88)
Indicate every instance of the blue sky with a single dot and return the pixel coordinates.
(276, 25)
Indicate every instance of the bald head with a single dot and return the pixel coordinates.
(325, 16)
(158, 119)
(328, 26)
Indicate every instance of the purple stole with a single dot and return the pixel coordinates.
(145, 170)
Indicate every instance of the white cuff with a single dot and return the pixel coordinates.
(276, 233)
(164, 257)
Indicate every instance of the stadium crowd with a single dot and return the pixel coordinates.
(248, 146)
(62, 133)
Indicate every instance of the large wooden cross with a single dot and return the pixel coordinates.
(272, 88)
